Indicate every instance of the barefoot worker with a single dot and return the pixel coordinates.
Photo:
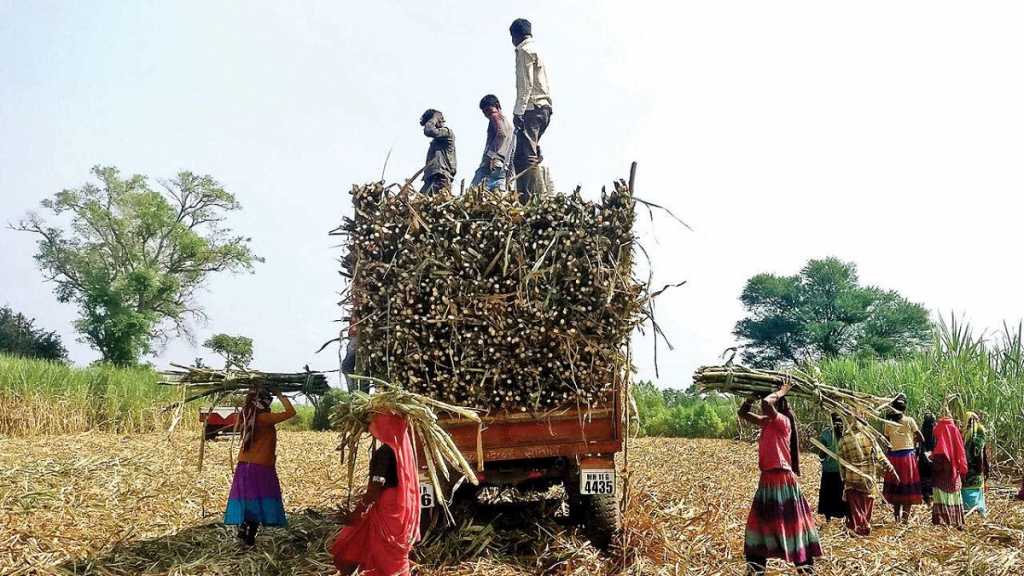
(902, 489)
(386, 523)
(830, 497)
(780, 524)
(977, 449)
(949, 466)
(861, 453)
(255, 496)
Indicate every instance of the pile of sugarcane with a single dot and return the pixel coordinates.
(202, 382)
(480, 301)
(351, 418)
(751, 382)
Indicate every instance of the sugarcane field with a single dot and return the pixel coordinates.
(744, 306)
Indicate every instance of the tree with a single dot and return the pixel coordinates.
(20, 337)
(236, 350)
(132, 258)
(824, 312)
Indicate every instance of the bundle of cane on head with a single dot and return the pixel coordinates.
(851, 405)
(442, 457)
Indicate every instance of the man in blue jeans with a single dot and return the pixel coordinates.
(497, 148)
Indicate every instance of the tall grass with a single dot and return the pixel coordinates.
(985, 373)
(42, 397)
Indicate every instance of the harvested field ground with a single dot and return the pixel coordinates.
(106, 504)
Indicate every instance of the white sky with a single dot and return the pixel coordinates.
(886, 133)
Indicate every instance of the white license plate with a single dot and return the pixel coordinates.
(597, 481)
(426, 495)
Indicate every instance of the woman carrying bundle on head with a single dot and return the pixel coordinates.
(382, 529)
(902, 489)
(977, 449)
(780, 523)
(924, 456)
(255, 496)
(949, 467)
(831, 503)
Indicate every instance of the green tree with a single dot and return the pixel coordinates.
(132, 258)
(20, 337)
(236, 350)
(824, 312)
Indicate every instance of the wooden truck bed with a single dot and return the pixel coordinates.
(523, 436)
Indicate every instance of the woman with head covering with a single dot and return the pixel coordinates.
(384, 526)
(830, 497)
(863, 459)
(977, 449)
(924, 456)
(780, 523)
(949, 467)
(902, 489)
(255, 496)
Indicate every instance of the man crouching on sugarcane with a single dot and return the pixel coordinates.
(439, 171)
(380, 532)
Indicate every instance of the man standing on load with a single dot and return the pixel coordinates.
(532, 111)
(439, 171)
(497, 149)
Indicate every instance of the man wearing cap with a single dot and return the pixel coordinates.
(532, 111)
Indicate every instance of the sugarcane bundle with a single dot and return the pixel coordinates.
(477, 300)
(201, 382)
(751, 382)
(351, 418)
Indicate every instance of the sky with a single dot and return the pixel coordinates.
(889, 134)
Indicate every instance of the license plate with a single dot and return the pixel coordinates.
(426, 495)
(597, 481)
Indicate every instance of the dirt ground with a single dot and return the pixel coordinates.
(104, 504)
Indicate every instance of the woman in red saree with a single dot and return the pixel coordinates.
(949, 461)
(384, 526)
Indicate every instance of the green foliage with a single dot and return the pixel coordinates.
(236, 350)
(20, 337)
(325, 407)
(986, 375)
(45, 397)
(823, 312)
(132, 258)
(680, 413)
(301, 422)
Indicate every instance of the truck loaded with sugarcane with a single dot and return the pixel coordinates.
(520, 312)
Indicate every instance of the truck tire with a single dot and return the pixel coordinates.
(602, 519)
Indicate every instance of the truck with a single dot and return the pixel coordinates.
(574, 447)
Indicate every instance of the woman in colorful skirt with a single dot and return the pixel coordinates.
(780, 524)
(384, 526)
(830, 497)
(255, 496)
(924, 456)
(902, 489)
(949, 466)
(977, 449)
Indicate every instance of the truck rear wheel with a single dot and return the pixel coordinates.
(602, 519)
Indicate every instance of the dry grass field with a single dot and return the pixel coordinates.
(108, 504)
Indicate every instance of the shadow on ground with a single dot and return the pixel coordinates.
(531, 536)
